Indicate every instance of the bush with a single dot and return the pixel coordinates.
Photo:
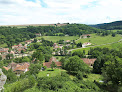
(120, 89)
(64, 74)
(79, 75)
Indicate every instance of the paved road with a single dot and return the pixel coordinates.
(96, 45)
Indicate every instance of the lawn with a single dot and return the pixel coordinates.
(57, 38)
(98, 40)
(92, 77)
(50, 72)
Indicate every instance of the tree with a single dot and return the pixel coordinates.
(35, 40)
(113, 34)
(9, 56)
(22, 52)
(79, 44)
(75, 64)
(34, 68)
(0, 57)
(47, 57)
(53, 65)
(38, 55)
(11, 77)
(112, 70)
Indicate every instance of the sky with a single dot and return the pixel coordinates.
(15, 12)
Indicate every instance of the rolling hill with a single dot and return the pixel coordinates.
(109, 26)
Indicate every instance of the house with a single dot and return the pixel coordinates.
(53, 59)
(85, 44)
(17, 46)
(54, 45)
(88, 61)
(66, 35)
(12, 66)
(4, 50)
(21, 68)
(67, 45)
(38, 34)
(28, 41)
(85, 36)
(18, 68)
(6, 68)
(67, 41)
(12, 52)
(3, 56)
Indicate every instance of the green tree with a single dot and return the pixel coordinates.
(11, 77)
(112, 70)
(113, 34)
(22, 52)
(35, 40)
(0, 57)
(34, 68)
(75, 64)
(53, 65)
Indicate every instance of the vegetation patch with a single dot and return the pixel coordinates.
(57, 38)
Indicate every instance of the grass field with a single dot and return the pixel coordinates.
(51, 73)
(98, 40)
(3, 45)
(110, 46)
(92, 77)
(114, 30)
(57, 38)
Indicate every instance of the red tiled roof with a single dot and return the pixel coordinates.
(88, 61)
(50, 62)
(2, 51)
(52, 59)
(22, 67)
(6, 68)
(28, 41)
(47, 64)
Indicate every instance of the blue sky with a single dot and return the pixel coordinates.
(14, 12)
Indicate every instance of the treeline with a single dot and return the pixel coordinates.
(109, 26)
(12, 36)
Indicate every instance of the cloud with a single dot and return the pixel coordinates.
(54, 11)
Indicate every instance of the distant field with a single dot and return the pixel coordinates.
(3, 45)
(57, 38)
(98, 40)
(110, 46)
(115, 30)
(51, 73)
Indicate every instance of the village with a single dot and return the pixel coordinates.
(19, 50)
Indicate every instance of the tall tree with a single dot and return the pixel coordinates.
(53, 65)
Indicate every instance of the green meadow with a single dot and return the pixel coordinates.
(110, 46)
(57, 38)
(50, 72)
(98, 40)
